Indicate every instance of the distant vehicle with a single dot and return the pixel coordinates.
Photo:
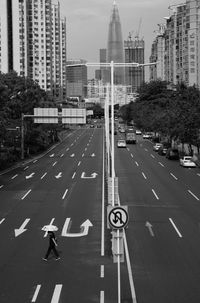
(91, 125)
(130, 136)
(121, 143)
(99, 126)
(138, 132)
(163, 149)
(157, 146)
(172, 154)
(187, 162)
(147, 136)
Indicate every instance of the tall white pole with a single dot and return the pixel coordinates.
(112, 130)
(107, 128)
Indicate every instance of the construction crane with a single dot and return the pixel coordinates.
(138, 31)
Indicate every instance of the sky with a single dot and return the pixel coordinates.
(88, 21)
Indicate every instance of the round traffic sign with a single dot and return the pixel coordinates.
(118, 217)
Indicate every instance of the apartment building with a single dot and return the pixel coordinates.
(34, 43)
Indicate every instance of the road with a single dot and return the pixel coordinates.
(64, 187)
(164, 231)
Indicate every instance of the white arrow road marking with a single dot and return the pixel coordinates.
(30, 176)
(149, 226)
(176, 229)
(191, 193)
(155, 194)
(2, 220)
(56, 293)
(72, 155)
(59, 175)
(174, 176)
(84, 229)
(14, 177)
(93, 155)
(92, 176)
(20, 230)
(28, 192)
(63, 197)
(46, 232)
(36, 293)
(52, 155)
(43, 176)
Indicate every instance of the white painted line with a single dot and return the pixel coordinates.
(128, 149)
(62, 155)
(56, 294)
(102, 271)
(102, 296)
(26, 167)
(136, 163)
(132, 155)
(174, 176)
(152, 156)
(144, 175)
(14, 177)
(2, 220)
(34, 161)
(176, 229)
(67, 149)
(28, 192)
(161, 164)
(79, 163)
(155, 194)
(146, 149)
(74, 174)
(82, 155)
(193, 195)
(72, 144)
(63, 197)
(103, 204)
(36, 293)
(54, 163)
(1, 186)
(198, 175)
(85, 148)
(43, 176)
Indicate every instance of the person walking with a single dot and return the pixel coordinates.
(52, 246)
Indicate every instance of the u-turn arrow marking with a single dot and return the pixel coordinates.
(84, 229)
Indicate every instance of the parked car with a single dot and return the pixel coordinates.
(187, 162)
(163, 149)
(138, 132)
(172, 154)
(147, 136)
(157, 146)
(121, 143)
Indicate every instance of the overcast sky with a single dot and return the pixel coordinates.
(88, 20)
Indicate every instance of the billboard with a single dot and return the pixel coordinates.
(46, 115)
(74, 116)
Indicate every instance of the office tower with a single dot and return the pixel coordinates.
(115, 49)
(33, 36)
(76, 79)
(157, 71)
(134, 52)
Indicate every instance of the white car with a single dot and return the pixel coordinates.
(121, 143)
(147, 136)
(138, 132)
(157, 146)
(187, 162)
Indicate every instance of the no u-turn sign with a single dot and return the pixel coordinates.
(118, 217)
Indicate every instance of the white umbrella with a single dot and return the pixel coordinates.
(49, 228)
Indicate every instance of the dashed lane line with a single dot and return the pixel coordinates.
(74, 174)
(193, 195)
(1, 186)
(64, 195)
(56, 294)
(176, 229)
(79, 163)
(155, 194)
(161, 164)
(36, 293)
(43, 176)
(14, 177)
(132, 155)
(2, 220)
(54, 163)
(174, 176)
(26, 167)
(28, 192)
(152, 156)
(101, 296)
(102, 271)
(144, 175)
(136, 163)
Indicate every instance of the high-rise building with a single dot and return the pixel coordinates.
(33, 42)
(115, 48)
(134, 52)
(77, 79)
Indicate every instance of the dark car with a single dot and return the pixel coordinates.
(163, 149)
(172, 154)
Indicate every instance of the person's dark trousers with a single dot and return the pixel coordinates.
(49, 250)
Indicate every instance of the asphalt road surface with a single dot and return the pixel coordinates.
(64, 188)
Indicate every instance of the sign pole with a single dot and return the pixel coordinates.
(22, 137)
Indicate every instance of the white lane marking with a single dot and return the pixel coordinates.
(146, 149)
(198, 175)
(161, 164)
(85, 148)
(79, 163)
(43, 176)
(174, 176)
(46, 232)
(62, 155)
(155, 194)
(72, 144)
(56, 293)
(136, 163)
(74, 174)
(193, 195)
(103, 203)
(28, 192)
(176, 229)
(1, 186)
(152, 156)
(54, 163)
(102, 296)
(82, 155)
(128, 149)
(102, 271)
(63, 197)
(132, 155)
(34, 161)
(67, 149)
(26, 167)
(144, 175)
(14, 177)
(36, 293)
(2, 220)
